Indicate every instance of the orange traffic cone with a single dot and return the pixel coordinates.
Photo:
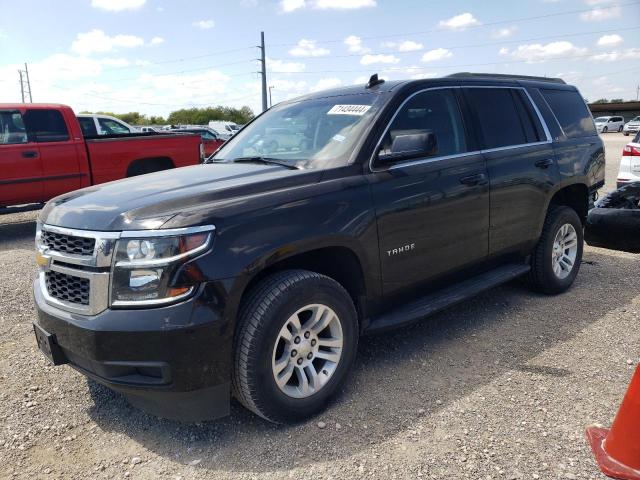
(617, 451)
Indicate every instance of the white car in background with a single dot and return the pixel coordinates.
(609, 124)
(95, 124)
(224, 129)
(630, 163)
(632, 126)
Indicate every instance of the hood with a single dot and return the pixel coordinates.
(149, 201)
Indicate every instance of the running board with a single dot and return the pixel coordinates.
(441, 299)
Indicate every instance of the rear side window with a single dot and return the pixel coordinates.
(109, 126)
(88, 126)
(12, 129)
(503, 116)
(46, 125)
(569, 108)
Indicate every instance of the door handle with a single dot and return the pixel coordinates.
(30, 154)
(546, 163)
(476, 179)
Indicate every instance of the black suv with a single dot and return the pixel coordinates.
(327, 217)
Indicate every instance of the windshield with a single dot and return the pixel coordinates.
(602, 119)
(311, 134)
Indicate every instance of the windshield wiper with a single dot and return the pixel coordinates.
(264, 160)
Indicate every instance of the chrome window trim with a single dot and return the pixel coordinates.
(462, 154)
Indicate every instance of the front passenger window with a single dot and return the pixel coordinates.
(433, 112)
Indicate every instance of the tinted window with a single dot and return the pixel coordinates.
(528, 118)
(499, 120)
(12, 128)
(569, 108)
(436, 112)
(88, 126)
(109, 126)
(46, 125)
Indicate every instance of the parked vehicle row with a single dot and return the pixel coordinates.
(256, 274)
(46, 151)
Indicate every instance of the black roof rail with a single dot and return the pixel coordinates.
(506, 77)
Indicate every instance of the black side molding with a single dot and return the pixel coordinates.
(441, 299)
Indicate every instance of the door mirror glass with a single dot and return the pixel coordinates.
(415, 144)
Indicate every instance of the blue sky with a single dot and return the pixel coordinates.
(155, 56)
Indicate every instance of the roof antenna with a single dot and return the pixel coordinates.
(373, 81)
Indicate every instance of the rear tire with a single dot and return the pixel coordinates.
(555, 261)
(269, 371)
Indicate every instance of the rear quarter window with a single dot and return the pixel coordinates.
(46, 125)
(571, 111)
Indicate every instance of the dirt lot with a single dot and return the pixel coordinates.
(500, 387)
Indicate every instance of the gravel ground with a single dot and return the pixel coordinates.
(499, 387)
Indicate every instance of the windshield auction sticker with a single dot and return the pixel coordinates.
(358, 110)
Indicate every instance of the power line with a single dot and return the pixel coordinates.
(477, 45)
(389, 69)
(482, 25)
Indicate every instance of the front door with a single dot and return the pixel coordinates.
(20, 162)
(432, 211)
(61, 168)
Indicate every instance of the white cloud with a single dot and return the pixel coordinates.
(343, 4)
(117, 5)
(503, 51)
(459, 22)
(420, 76)
(156, 41)
(405, 46)
(115, 62)
(436, 54)
(354, 44)
(630, 54)
(96, 41)
(503, 32)
(204, 24)
(538, 52)
(308, 48)
(287, 6)
(609, 40)
(600, 14)
(281, 66)
(373, 59)
(326, 83)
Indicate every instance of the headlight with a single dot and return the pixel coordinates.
(145, 267)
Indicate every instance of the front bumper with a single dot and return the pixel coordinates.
(631, 128)
(174, 361)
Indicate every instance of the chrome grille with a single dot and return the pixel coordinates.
(68, 288)
(59, 242)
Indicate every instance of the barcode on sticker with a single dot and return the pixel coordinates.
(349, 110)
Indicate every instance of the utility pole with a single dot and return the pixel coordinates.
(263, 72)
(25, 84)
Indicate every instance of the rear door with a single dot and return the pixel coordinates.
(61, 164)
(520, 161)
(432, 212)
(20, 162)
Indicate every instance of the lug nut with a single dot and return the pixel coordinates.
(306, 334)
(296, 340)
(294, 353)
(313, 343)
(299, 361)
(310, 356)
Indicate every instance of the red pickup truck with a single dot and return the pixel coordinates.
(44, 154)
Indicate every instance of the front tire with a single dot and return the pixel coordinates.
(296, 341)
(556, 259)
(619, 129)
(605, 130)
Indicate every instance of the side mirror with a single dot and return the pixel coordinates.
(410, 145)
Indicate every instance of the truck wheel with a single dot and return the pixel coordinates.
(605, 130)
(296, 341)
(555, 261)
(619, 129)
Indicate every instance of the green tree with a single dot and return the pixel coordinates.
(617, 100)
(601, 100)
(202, 116)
